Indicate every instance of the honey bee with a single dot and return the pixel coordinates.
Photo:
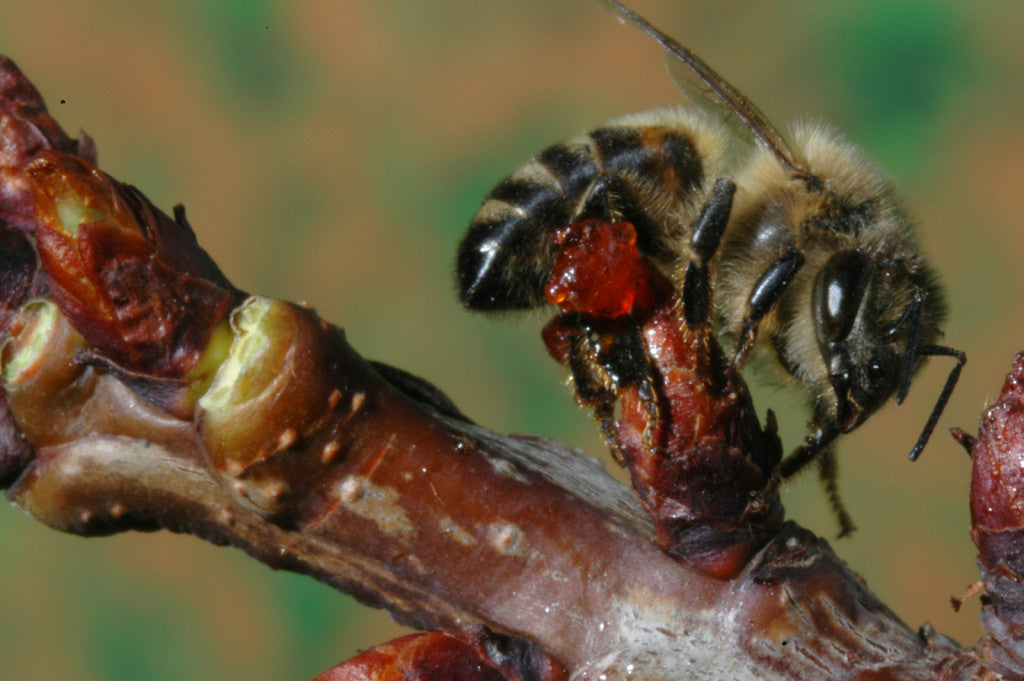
(818, 269)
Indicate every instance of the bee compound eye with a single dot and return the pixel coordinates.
(838, 292)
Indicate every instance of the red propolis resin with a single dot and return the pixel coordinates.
(600, 272)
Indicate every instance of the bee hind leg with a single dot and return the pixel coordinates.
(605, 358)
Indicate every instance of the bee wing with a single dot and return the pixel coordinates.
(734, 101)
(698, 96)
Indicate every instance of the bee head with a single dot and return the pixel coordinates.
(872, 317)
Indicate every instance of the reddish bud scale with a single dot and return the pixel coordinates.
(695, 450)
(130, 279)
(997, 515)
(25, 130)
(434, 656)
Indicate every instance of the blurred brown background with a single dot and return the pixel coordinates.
(334, 152)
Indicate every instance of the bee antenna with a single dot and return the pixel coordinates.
(743, 108)
(947, 390)
(913, 316)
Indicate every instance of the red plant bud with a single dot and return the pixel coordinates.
(433, 656)
(440, 656)
(25, 130)
(997, 478)
(133, 282)
(997, 516)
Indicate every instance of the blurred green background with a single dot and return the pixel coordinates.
(333, 152)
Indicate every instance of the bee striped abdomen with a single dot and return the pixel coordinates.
(506, 256)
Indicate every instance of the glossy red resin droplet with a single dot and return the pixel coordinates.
(599, 271)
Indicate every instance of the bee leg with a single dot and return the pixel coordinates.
(765, 294)
(593, 387)
(601, 200)
(602, 407)
(626, 362)
(605, 357)
(710, 224)
(827, 471)
(611, 200)
(707, 234)
(818, 446)
(605, 415)
(824, 433)
(761, 501)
